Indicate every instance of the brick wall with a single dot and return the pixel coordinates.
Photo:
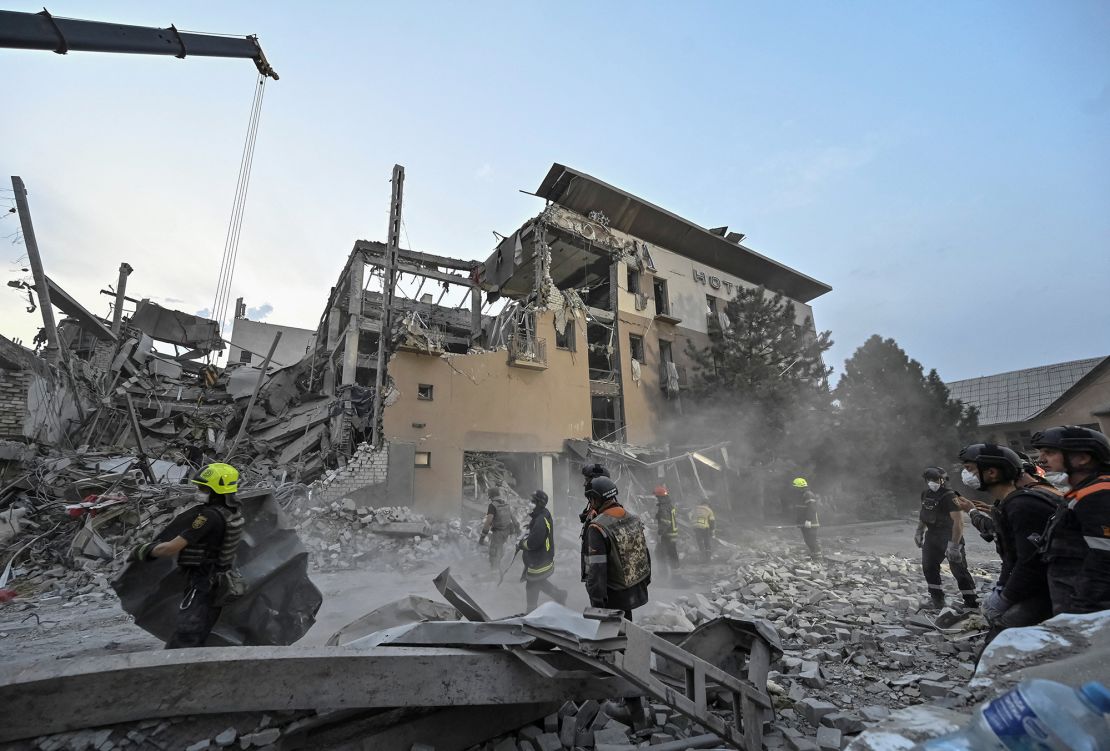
(13, 402)
(367, 468)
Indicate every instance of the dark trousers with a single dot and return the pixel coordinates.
(1061, 583)
(1025, 613)
(197, 615)
(497, 540)
(809, 534)
(533, 587)
(932, 553)
(704, 538)
(666, 552)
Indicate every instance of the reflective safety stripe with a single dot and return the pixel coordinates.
(1098, 543)
(592, 559)
(1079, 495)
(936, 586)
(547, 540)
(542, 569)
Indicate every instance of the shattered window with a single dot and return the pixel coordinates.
(636, 347)
(633, 281)
(662, 302)
(665, 354)
(566, 339)
(424, 391)
(423, 459)
(245, 357)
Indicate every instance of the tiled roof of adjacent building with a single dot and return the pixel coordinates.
(1020, 394)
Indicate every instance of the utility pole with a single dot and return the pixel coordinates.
(393, 242)
(32, 245)
(121, 292)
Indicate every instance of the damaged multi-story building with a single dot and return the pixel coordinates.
(571, 344)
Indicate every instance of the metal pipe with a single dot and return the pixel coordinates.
(254, 396)
(121, 291)
(32, 245)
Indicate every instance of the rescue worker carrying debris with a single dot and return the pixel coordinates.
(666, 521)
(616, 566)
(705, 528)
(498, 525)
(539, 555)
(1020, 597)
(204, 539)
(940, 535)
(1076, 544)
(806, 516)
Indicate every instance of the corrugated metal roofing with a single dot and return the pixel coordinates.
(1020, 394)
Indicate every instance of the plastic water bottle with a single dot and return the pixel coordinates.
(1036, 715)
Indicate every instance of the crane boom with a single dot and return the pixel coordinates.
(43, 31)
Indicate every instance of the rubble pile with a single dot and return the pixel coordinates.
(855, 645)
(341, 535)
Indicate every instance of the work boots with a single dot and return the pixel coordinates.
(936, 600)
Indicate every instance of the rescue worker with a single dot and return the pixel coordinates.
(617, 564)
(589, 472)
(1020, 597)
(539, 555)
(1076, 544)
(806, 513)
(705, 529)
(204, 539)
(666, 524)
(940, 535)
(498, 525)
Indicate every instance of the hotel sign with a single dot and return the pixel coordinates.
(713, 281)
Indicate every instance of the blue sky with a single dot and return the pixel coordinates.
(945, 167)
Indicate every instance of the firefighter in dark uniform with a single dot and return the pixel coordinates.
(538, 548)
(666, 525)
(1020, 597)
(205, 540)
(705, 528)
(806, 516)
(498, 525)
(1076, 545)
(617, 566)
(940, 535)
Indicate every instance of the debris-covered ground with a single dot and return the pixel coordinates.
(855, 647)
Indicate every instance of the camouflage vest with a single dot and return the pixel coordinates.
(502, 515)
(627, 553)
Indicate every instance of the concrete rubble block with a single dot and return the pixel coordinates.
(261, 738)
(801, 743)
(529, 732)
(551, 723)
(567, 731)
(935, 689)
(814, 709)
(614, 747)
(875, 713)
(199, 746)
(612, 735)
(828, 739)
(505, 744)
(548, 742)
(586, 714)
(226, 738)
(844, 722)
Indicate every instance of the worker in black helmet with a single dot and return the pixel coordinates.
(589, 472)
(1076, 544)
(940, 535)
(539, 554)
(1032, 476)
(1020, 597)
(498, 525)
(616, 565)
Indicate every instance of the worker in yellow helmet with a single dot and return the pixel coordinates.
(205, 539)
(806, 510)
(705, 527)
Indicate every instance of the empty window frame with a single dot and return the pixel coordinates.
(636, 347)
(662, 302)
(245, 357)
(666, 353)
(566, 340)
(425, 391)
(633, 281)
(604, 426)
(423, 459)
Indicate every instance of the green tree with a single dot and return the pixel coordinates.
(893, 421)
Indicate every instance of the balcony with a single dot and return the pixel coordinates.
(527, 352)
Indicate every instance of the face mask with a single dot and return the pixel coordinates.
(970, 479)
(933, 486)
(1059, 479)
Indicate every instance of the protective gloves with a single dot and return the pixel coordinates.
(142, 552)
(808, 524)
(919, 537)
(994, 606)
(953, 553)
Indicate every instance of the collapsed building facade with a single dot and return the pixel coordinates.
(572, 348)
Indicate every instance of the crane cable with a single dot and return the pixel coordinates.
(235, 223)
